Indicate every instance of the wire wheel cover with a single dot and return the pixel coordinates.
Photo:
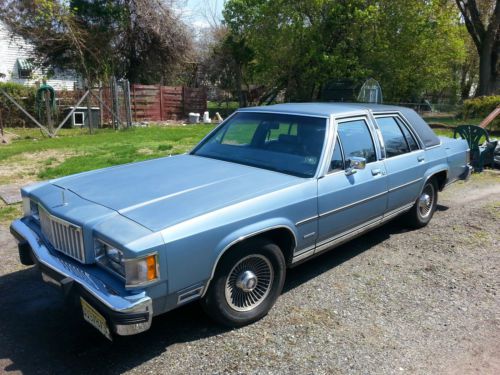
(249, 282)
(426, 201)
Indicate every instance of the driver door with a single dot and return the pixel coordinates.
(348, 202)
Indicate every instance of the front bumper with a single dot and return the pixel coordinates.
(127, 314)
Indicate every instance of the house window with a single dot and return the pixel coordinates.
(24, 68)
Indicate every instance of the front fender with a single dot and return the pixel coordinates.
(247, 232)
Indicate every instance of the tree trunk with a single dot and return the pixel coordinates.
(487, 71)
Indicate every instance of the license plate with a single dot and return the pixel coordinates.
(92, 316)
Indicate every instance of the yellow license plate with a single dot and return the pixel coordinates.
(92, 316)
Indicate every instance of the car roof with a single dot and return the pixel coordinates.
(418, 124)
(322, 109)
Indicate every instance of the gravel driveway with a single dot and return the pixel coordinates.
(391, 302)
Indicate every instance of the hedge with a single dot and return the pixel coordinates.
(25, 96)
(481, 107)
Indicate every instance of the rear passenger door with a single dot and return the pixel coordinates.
(404, 162)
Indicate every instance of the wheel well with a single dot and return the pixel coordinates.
(282, 237)
(441, 178)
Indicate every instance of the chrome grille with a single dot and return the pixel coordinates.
(63, 236)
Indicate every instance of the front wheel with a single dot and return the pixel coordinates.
(246, 284)
(421, 213)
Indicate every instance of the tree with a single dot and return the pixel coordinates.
(415, 48)
(484, 29)
(142, 40)
(298, 46)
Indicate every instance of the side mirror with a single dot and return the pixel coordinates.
(353, 164)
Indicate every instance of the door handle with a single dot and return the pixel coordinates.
(421, 158)
(376, 172)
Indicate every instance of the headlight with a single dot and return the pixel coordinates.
(135, 271)
(110, 257)
(30, 208)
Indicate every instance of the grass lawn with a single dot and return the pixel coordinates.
(76, 151)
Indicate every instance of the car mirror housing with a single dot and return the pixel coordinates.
(354, 164)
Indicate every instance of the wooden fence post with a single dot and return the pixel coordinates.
(134, 102)
(89, 114)
(161, 102)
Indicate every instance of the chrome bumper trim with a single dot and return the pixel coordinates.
(137, 303)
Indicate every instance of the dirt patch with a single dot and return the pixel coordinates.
(23, 168)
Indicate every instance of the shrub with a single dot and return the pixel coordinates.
(25, 96)
(481, 107)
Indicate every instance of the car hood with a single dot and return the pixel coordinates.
(163, 192)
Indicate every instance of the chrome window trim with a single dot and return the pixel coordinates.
(407, 123)
(348, 118)
(330, 138)
(341, 154)
(330, 133)
(417, 140)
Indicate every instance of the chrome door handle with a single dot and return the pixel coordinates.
(376, 172)
(420, 158)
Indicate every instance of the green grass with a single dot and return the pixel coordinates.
(102, 149)
(452, 121)
(9, 213)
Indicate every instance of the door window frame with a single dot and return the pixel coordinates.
(372, 130)
(404, 123)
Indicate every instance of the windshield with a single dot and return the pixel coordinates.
(285, 143)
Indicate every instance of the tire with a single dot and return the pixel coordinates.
(421, 213)
(247, 282)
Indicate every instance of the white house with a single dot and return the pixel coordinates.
(16, 66)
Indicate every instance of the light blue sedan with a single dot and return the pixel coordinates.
(267, 189)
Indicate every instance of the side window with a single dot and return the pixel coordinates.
(357, 140)
(337, 162)
(394, 140)
(409, 137)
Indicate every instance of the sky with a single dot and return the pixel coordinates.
(201, 13)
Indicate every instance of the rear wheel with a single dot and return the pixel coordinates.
(246, 284)
(421, 213)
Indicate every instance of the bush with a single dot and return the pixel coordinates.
(481, 107)
(25, 96)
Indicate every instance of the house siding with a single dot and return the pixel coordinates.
(12, 48)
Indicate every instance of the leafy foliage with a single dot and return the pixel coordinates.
(298, 46)
(482, 106)
(24, 95)
(142, 40)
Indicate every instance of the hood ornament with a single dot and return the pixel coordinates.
(63, 196)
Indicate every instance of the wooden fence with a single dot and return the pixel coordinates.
(160, 103)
